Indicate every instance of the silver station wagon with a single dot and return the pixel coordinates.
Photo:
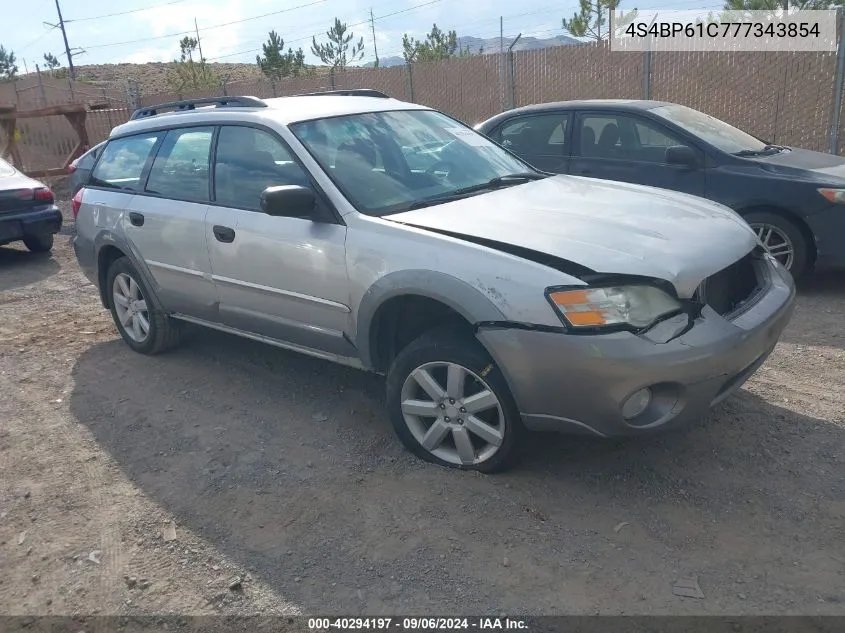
(390, 237)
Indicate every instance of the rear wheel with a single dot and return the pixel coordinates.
(143, 327)
(39, 243)
(783, 239)
(450, 404)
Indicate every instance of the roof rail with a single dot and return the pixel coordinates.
(354, 92)
(191, 104)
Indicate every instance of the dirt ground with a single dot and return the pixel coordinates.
(229, 477)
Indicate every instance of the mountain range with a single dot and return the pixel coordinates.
(483, 46)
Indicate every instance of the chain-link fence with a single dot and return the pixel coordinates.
(784, 97)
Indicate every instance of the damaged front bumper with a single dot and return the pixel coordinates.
(580, 383)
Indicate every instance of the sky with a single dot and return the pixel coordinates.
(232, 30)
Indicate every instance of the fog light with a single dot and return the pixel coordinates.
(636, 404)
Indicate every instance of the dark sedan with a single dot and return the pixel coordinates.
(27, 211)
(794, 198)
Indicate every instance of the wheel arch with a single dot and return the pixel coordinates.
(792, 217)
(109, 248)
(429, 298)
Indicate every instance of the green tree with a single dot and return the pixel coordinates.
(437, 45)
(51, 61)
(336, 52)
(8, 67)
(190, 74)
(592, 20)
(276, 63)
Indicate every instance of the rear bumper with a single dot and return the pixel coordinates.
(85, 257)
(16, 226)
(575, 383)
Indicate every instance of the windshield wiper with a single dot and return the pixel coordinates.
(494, 183)
(768, 149)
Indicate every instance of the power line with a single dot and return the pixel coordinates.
(308, 37)
(208, 28)
(38, 39)
(111, 15)
(461, 28)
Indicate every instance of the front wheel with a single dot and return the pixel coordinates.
(783, 239)
(450, 404)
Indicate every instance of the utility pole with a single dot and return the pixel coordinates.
(71, 71)
(502, 60)
(199, 44)
(373, 27)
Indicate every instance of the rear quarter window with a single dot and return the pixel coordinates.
(87, 160)
(122, 163)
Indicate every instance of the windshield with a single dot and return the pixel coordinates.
(386, 162)
(710, 129)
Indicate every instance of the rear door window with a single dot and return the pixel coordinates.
(181, 167)
(122, 163)
(535, 135)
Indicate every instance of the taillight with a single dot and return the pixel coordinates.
(43, 194)
(76, 203)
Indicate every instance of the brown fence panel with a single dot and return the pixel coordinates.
(804, 114)
(467, 88)
(99, 123)
(45, 142)
(391, 81)
(577, 72)
(785, 97)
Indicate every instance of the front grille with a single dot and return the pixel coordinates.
(731, 287)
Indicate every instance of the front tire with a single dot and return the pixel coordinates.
(39, 243)
(141, 325)
(783, 239)
(450, 404)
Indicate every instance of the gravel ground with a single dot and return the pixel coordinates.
(229, 477)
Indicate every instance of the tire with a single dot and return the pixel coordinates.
(39, 243)
(493, 444)
(162, 332)
(782, 229)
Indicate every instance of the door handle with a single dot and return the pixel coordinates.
(223, 233)
(137, 219)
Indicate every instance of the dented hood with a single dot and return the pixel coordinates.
(609, 227)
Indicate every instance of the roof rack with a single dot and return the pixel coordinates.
(354, 92)
(191, 104)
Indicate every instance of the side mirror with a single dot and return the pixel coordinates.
(681, 155)
(289, 201)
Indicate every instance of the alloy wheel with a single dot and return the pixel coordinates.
(777, 242)
(453, 413)
(131, 308)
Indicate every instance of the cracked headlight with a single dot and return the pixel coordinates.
(637, 306)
